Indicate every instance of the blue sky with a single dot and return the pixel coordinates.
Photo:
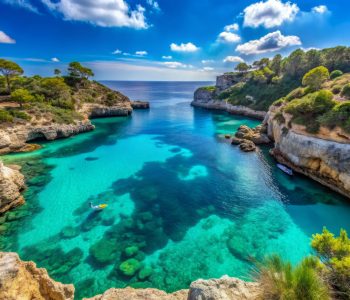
(164, 39)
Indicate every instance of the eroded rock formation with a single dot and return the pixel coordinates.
(21, 280)
(207, 99)
(11, 185)
(322, 157)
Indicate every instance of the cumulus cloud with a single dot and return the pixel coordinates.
(321, 9)
(55, 59)
(141, 53)
(232, 27)
(105, 13)
(269, 14)
(5, 39)
(233, 59)
(154, 4)
(271, 42)
(189, 47)
(228, 37)
(117, 51)
(167, 57)
(208, 69)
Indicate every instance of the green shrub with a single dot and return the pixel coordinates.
(335, 74)
(334, 252)
(209, 88)
(346, 91)
(5, 116)
(323, 102)
(338, 116)
(280, 280)
(315, 77)
(279, 102)
(21, 96)
(20, 115)
(297, 93)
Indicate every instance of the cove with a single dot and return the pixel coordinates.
(182, 203)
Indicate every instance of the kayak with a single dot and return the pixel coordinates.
(285, 169)
(98, 207)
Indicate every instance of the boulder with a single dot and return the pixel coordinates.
(24, 281)
(247, 146)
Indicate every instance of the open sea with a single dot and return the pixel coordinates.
(182, 203)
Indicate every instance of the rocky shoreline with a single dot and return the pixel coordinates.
(326, 161)
(23, 280)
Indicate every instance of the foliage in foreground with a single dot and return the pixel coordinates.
(323, 276)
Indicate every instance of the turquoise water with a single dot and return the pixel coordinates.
(182, 203)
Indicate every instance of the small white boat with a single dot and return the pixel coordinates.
(285, 169)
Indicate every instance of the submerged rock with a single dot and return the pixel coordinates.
(23, 280)
(130, 267)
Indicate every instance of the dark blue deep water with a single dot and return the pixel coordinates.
(182, 203)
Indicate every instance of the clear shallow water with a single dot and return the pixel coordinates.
(190, 205)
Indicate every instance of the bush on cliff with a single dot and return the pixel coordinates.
(334, 252)
(21, 96)
(335, 74)
(5, 116)
(315, 77)
(281, 280)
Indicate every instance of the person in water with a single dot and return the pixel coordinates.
(95, 207)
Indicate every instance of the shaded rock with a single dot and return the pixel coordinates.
(131, 251)
(145, 273)
(11, 185)
(247, 146)
(236, 141)
(225, 288)
(140, 104)
(23, 280)
(257, 135)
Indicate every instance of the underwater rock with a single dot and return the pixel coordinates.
(131, 251)
(69, 232)
(91, 158)
(23, 280)
(103, 251)
(130, 267)
(11, 186)
(145, 273)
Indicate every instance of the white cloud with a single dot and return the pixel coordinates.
(269, 14)
(232, 27)
(321, 9)
(5, 39)
(154, 4)
(22, 3)
(141, 53)
(233, 59)
(117, 51)
(208, 69)
(228, 37)
(167, 57)
(126, 54)
(105, 13)
(175, 64)
(207, 61)
(55, 59)
(271, 42)
(189, 47)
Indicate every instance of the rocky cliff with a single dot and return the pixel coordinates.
(11, 185)
(325, 157)
(24, 281)
(206, 98)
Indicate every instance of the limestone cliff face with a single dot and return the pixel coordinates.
(225, 81)
(21, 280)
(11, 185)
(14, 138)
(206, 99)
(323, 158)
(102, 111)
